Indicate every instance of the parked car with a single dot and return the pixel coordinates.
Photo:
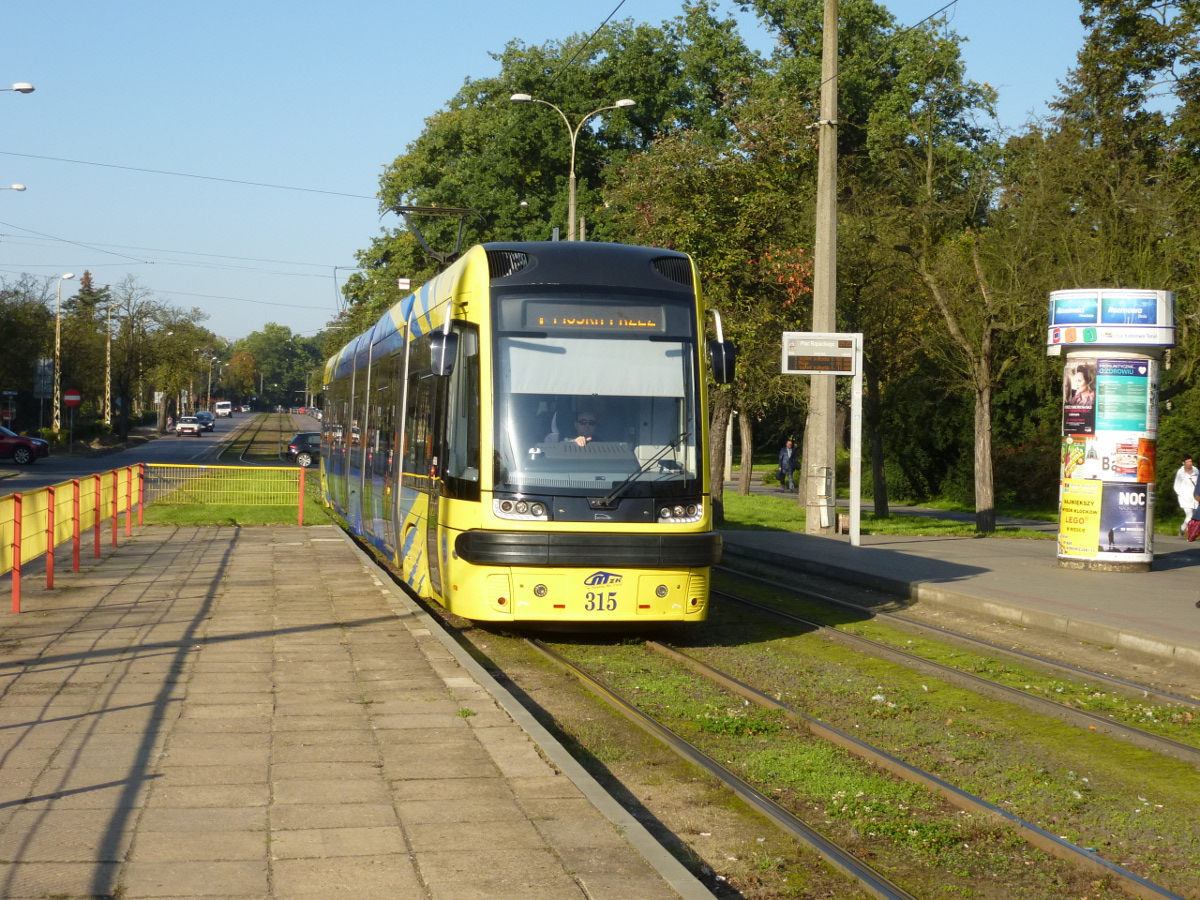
(188, 425)
(21, 449)
(207, 420)
(305, 448)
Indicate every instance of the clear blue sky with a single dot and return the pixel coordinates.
(305, 94)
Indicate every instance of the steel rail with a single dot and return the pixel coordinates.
(867, 878)
(966, 639)
(1076, 717)
(1038, 837)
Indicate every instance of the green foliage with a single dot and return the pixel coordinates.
(949, 240)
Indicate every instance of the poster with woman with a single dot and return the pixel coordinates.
(1079, 396)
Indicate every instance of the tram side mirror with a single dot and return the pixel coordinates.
(723, 357)
(443, 350)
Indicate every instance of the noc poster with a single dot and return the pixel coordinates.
(1124, 512)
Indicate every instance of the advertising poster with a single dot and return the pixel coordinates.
(1080, 457)
(1123, 517)
(1123, 392)
(1079, 521)
(1079, 396)
(1129, 309)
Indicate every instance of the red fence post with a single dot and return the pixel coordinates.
(16, 551)
(98, 516)
(116, 488)
(75, 525)
(300, 515)
(50, 538)
(128, 500)
(141, 493)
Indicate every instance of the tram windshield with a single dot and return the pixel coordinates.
(596, 394)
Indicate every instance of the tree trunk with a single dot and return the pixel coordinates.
(747, 464)
(720, 403)
(874, 415)
(985, 488)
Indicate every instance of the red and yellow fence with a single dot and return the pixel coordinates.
(226, 485)
(35, 523)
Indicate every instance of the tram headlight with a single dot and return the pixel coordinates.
(540, 590)
(681, 513)
(661, 591)
(517, 508)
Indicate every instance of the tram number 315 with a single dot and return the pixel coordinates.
(600, 601)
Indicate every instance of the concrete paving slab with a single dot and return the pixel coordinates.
(181, 726)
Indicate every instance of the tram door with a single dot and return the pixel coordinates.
(426, 393)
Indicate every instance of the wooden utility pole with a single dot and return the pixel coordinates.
(819, 443)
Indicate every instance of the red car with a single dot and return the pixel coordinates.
(21, 449)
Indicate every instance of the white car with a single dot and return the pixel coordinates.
(189, 425)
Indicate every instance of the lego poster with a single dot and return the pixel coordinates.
(1079, 519)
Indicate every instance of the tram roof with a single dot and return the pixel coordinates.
(591, 262)
(626, 266)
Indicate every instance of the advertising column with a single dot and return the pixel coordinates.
(1113, 341)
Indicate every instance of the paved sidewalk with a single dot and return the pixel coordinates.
(252, 713)
(1151, 613)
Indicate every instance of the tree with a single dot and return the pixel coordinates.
(27, 323)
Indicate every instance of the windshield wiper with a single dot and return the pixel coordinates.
(608, 500)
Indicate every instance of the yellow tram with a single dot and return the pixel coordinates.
(526, 435)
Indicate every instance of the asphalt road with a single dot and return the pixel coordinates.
(60, 467)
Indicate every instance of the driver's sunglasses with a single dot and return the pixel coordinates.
(585, 421)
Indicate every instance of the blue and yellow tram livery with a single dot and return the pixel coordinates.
(525, 436)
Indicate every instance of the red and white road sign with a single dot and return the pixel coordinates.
(72, 398)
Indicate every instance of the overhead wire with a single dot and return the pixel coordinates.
(278, 187)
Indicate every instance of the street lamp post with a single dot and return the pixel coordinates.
(21, 87)
(13, 187)
(108, 367)
(624, 103)
(57, 423)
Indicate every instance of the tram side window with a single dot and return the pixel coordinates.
(418, 428)
(383, 420)
(462, 419)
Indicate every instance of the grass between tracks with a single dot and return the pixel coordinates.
(1092, 789)
(905, 831)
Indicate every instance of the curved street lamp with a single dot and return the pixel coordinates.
(624, 103)
(21, 87)
(57, 422)
(15, 187)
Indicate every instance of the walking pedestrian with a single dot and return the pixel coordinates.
(787, 466)
(1185, 490)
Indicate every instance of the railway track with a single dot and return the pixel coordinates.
(841, 857)
(261, 440)
(878, 866)
(1034, 702)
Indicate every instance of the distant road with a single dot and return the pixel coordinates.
(60, 467)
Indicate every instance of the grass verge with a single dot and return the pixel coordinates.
(763, 512)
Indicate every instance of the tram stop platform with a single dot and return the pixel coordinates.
(1153, 613)
(253, 713)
